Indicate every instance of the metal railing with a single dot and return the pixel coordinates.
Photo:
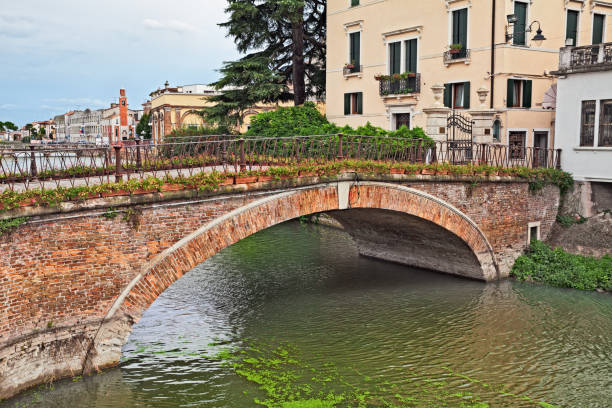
(585, 57)
(26, 169)
(354, 69)
(400, 86)
(451, 55)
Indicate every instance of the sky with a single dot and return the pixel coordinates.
(62, 55)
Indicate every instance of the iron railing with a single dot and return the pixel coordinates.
(451, 56)
(585, 58)
(400, 86)
(26, 169)
(354, 69)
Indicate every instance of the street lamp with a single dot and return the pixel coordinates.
(538, 38)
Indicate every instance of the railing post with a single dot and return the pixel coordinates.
(558, 164)
(242, 155)
(340, 149)
(223, 150)
(33, 169)
(118, 166)
(138, 157)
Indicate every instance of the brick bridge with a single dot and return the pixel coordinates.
(73, 282)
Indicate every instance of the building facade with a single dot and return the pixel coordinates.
(584, 122)
(402, 62)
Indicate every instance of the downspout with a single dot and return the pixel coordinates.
(492, 54)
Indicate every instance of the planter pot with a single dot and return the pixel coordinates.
(114, 193)
(27, 203)
(87, 197)
(150, 191)
(245, 179)
(227, 181)
(307, 174)
(397, 171)
(265, 178)
(455, 51)
(442, 172)
(348, 171)
(172, 187)
(428, 172)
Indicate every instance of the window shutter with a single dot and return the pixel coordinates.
(448, 95)
(510, 94)
(395, 50)
(360, 103)
(455, 27)
(355, 48)
(466, 96)
(347, 103)
(463, 14)
(572, 26)
(411, 56)
(598, 25)
(520, 11)
(527, 86)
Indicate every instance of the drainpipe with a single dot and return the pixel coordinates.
(492, 54)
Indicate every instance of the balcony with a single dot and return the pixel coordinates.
(352, 70)
(462, 55)
(596, 57)
(391, 86)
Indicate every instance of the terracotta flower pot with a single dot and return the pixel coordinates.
(172, 187)
(307, 174)
(27, 203)
(442, 172)
(428, 172)
(142, 191)
(265, 178)
(114, 193)
(397, 171)
(245, 179)
(227, 181)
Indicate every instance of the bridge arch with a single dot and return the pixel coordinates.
(163, 270)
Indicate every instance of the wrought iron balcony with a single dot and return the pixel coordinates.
(451, 56)
(352, 69)
(390, 86)
(586, 58)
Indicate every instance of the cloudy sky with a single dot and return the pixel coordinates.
(62, 55)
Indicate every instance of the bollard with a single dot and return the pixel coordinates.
(118, 167)
(340, 149)
(33, 169)
(242, 156)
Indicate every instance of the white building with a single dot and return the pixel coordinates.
(584, 122)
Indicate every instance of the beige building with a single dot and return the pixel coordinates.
(409, 62)
(178, 107)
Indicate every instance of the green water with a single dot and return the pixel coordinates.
(299, 310)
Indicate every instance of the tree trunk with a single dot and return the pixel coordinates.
(299, 86)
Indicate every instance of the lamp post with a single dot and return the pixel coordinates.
(512, 20)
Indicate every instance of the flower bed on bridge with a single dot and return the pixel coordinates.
(538, 178)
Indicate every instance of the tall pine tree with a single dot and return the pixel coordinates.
(284, 46)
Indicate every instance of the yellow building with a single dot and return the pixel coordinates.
(410, 62)
(178, 107)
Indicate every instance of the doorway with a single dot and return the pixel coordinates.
(540, 151)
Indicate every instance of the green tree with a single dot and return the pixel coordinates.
(10, 126)
(2, 127)
(144, 127)
(284, 43)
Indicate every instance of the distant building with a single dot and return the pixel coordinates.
(47, 125)
(584, 122)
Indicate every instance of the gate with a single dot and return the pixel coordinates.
(459, 138)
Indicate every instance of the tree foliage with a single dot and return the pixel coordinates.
(144, 127)
(284, 46)
(8, 126)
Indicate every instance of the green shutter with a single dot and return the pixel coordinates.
(466, 96)
(463, 28)
(347, 103)
(395, 52)
(598, 27)
(411, 56)
(527, 87)
(520, 11)
(360, 103)
(571, 30)
(355, 48)
(510, 94)
(354, 3)
(448, 95)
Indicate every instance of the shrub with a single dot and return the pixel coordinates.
(559, 268)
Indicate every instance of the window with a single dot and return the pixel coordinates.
(516, 143)
(605, 124)
(587, 123)
(411, 55)
(520, 11)
(354, 3)
(457, 96)
(519, 93)
(460, 28)
(598, 28)
(353, 103)
(402, 119)
(355, 51)
(571, 29)
(497, 129)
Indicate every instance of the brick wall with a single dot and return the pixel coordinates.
(71, 285)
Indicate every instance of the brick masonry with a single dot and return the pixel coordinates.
(72, 285)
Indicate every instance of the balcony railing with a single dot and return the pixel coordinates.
(453, 55)
(352, 69)
(400, 86)
(585, 58)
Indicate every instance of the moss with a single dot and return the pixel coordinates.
(6, 226)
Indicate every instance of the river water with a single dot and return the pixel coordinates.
(387, 333)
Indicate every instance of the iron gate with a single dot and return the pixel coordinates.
(459, 138)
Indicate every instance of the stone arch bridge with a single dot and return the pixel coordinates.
(73, 282)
